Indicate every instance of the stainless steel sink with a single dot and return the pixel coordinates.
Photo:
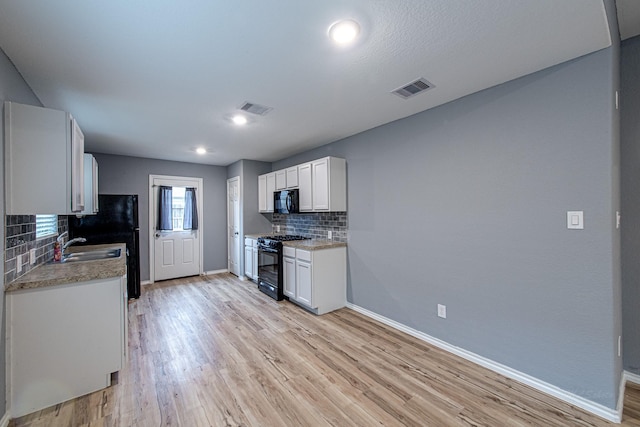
(92, 255)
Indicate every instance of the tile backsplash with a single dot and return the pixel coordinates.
(20, 238)
(314, 225)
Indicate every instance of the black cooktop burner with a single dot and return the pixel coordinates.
(285, 237)
(275, 241)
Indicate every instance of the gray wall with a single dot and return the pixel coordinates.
(130, 175)
(630, 165)
(12, 88)
(465, 205)
(251, 221)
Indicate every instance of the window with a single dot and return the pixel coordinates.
(46, 225)
(177, 208)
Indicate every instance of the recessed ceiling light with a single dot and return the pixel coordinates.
(344, 32)
(201, 150)
(239, 119)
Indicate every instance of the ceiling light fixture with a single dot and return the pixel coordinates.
(201, 150)
(344, 32)
(239, 119)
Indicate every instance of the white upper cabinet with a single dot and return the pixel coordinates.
(90, 185)
(329, 184)
(305, 192)
(292, 177)
(271, 188)
(266, 188)
(322, 185)
(44, 161)
(281, 179)
(262, 193)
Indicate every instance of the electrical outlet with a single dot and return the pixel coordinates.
(32, 256)
(442, 311)
(329, 234)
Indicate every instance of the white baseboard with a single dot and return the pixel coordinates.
(588, 405)
(631, 377)
(4, 421)
(209, 273)
(145, 282)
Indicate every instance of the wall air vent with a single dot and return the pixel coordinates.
(413, 88)
(257, 109)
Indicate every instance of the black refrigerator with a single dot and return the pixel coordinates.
(115, 222)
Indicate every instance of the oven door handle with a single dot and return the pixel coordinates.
(273, 251)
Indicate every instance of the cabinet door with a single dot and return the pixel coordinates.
(94, 174)
(305, 192)
(304, 284)
(262, 193)
(320, 181)
(292, 177)
(77, 164)
(69, 348)
(289, 277)
(271, 187)
(254, 272)
(281, 179)
(90, 185)
(38, 167)
(248, 261)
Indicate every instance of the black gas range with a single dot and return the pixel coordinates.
(270, 273)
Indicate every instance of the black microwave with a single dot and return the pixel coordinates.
(286, 201)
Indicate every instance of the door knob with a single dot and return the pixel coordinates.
(157, 234)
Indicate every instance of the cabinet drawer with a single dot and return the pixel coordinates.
(303, 255)
(289, 252)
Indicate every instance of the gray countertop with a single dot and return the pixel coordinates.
(52, 274)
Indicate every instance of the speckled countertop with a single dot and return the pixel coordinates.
(52, 274)
(310, 245)
(314, 244)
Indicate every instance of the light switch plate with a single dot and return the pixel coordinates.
(19, 264)
(32, 256)
(575, 220)
(442, 311)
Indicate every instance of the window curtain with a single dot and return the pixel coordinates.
(164, 208)
(190, 209)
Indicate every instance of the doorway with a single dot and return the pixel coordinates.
(233, 226)
(175, 227)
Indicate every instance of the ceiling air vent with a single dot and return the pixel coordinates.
(257, 109)
(413, 88)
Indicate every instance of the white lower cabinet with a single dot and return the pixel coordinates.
(248, 261)
(289, 277)
(64, 341)
(304, 282)
(316, 279)
(251, 258)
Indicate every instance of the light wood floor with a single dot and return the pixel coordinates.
(216, 352)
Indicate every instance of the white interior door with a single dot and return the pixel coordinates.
(178, 252)
(233, 225)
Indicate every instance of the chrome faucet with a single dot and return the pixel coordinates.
(72, 241)
(60, 238)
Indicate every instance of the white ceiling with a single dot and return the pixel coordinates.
(156, 78)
